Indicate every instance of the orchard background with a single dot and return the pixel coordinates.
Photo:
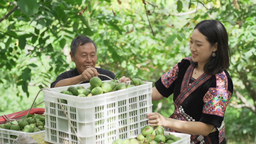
(135, 38)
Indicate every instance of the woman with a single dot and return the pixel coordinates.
(200, 85)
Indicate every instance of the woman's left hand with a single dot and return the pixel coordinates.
(156, 119)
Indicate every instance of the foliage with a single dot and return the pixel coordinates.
(134, 39)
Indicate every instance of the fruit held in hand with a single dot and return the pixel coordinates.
(95, 82)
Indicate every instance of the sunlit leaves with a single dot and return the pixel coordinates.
(29, 7)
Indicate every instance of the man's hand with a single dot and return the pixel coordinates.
(156, 119)
(88, 74)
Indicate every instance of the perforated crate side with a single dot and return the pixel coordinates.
(101, 118)
(8, 136)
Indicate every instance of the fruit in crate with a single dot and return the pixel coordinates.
(97, 86)
(32, 123)
(150, 135)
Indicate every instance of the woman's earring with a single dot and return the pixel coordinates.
(213, 54)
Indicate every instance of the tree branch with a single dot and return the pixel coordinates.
(203, 4)
(186, 13)
(9, 13)
(145, 5)
(245, 104)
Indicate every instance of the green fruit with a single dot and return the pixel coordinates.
(160, 138)
(126, 141)
(136, 81)
(81, 91)
(95, 82)
(63, 101)
(97, 90)
(106, 87)
(87, 91)
(28, 128)
(39, 123)
(149, 138)
(73, 90)
(30, 120)
(120, 86)
(118, 141)
(81, 95)
(153, 142)
(146, 130)
(32, 126)
(22, 123)
(130, 86)
(37, 130)
(41, 127)
(7, 125)
(89, 95)
(42, 118)
(15, 127)
(67, 92)
(170, 141)
(140, 137)
(80, 87)
(159, 130)
(133, 141)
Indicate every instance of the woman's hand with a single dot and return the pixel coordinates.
(124, 79)
(156, 119)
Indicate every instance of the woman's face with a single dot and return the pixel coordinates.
(201, 49)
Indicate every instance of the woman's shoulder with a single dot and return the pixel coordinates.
(185, 61)
(223, 79)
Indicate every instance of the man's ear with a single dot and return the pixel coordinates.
(72, 56)
(215, 47)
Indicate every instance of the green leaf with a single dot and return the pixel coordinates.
(28, 7)
(189, 5)
(34, 38)
(7, 43)
(26, 74)
(62, 42)
(182, 35)
(22, 42)
(32, 65)
(37, 31)
(179, 6)
(170, 39)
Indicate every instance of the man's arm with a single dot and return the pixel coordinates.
(69, 81)
(65, 80)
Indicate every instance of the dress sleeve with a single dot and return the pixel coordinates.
(166, 83)
(216, 100)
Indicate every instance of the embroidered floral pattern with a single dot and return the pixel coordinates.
(169, 77)
(216, 99)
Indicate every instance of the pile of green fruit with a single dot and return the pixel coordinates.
(150, 135)
(32, 123)
(98, 87)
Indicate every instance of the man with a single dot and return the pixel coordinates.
(84, 55)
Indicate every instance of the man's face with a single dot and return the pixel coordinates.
(85, 57)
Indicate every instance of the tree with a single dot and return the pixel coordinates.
(136, 38)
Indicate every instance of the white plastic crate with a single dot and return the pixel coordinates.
(98, 119)
(8, 136)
